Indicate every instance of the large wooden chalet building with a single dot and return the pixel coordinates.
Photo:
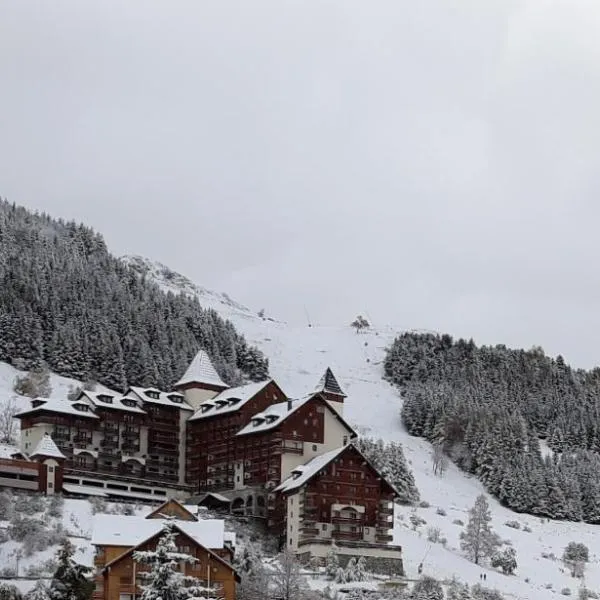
(288, 461)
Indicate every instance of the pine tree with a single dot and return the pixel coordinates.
(9, 592)
(427, 588)
(71, 580)
(164, 580)
(478, 540)
(332, 564)
(360, 573)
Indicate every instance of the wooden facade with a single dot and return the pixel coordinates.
(118, 576)
(211, 441)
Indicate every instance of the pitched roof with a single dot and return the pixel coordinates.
(274, 415)
(329, 384)
(158, 512)
(111, 400)
(229, 400)
(178, 526)
(59, 406)
(156, 396)
(47, 447)
(304, 473)
(121, 530)
(201, 370)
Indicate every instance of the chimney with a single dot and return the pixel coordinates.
(289, 405)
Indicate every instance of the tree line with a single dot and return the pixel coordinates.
(489, 408)
(66, 302)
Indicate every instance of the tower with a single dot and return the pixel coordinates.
(201, 381)
(52, 461)
(329, 387)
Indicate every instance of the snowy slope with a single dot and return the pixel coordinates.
(298, 356)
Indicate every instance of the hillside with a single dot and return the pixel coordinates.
(66, 301)
(298, 355)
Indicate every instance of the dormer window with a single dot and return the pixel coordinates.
(233, 401)
(221, 403)
(152, 394)
(271, 418)
(105, 398)
(176, 398)
(81, 407)
(205, 407)
(128, 402)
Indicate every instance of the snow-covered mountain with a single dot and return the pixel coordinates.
(298, 356)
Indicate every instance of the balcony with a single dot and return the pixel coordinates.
(82, 439)
(347, 520)
(109, 443)
(61, 436)
(113, 452)
(310, 531)
(346, 535)
(385, 510)
(131, 433)
(130, 448)
(293, 447)
(384, 538)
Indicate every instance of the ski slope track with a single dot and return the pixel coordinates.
(298, 355)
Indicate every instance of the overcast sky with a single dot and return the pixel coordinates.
(434, 163)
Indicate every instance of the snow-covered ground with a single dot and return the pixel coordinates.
(298, 356)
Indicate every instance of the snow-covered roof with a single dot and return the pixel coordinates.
(112, 400)
(329, 384)
(201, 370)
(59, 406)
(47, 447)
(273, 416)
(229, 400)
(302, 474)
(156, 396)
(121, 530)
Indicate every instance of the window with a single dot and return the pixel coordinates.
(345, 440)
(324, 526)
(50, 485)
(306, 421)
(50, 469)
(314, 447)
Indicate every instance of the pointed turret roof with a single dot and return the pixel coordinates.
(329, 384)
(46, 448)
(201, 370)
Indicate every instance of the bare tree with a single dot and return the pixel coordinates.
(288, 583)
(439, 460)
(7, 421)
(360, 323)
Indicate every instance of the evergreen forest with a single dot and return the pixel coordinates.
(525, 424)
(67, 303)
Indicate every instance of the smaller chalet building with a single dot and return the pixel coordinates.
(338, 498)
(116, 537)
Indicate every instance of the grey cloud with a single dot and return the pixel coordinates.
(433, 163)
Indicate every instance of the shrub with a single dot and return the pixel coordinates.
(98, 505)
(434, 535)
(36, 384)
(416, 521)
(8, 572)
(441, 512)
(513, 524)
(505, 560)
(427, 588)
(566, 591)
(21, 527)
(31, 504)
(458, 522)
(55, 508)
(7, 505)
(576, 552)
(527, 529)
(548, 586)
(424, 504)
(9, 592)
(478, 592)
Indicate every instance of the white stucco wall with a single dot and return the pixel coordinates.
(31, 436)
(293, 521)
(195, 396)
(51, 465)
(334, 435)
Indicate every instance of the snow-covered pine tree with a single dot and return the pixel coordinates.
(332, 564)
(505, 560)
(360, 573)
(164, 579)
(350, 570)
(71, 580)
(478, 540)
(458, 591)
